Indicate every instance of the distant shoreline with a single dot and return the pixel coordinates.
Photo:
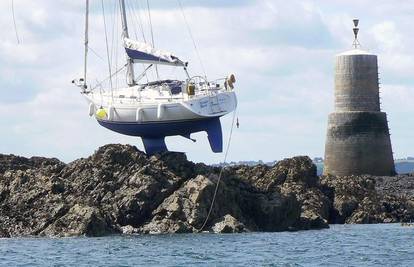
(402, 166)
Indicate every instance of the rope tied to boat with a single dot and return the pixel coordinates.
(220, 174)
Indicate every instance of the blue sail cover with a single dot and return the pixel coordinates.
(145, 53)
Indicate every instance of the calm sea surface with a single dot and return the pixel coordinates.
(349, 245)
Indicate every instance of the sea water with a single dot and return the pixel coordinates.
(341, 245)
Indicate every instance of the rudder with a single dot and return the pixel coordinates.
(215, 135)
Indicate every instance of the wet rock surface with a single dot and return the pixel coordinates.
(228, 224)
(119, 189)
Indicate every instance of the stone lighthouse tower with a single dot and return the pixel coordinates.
(358, 139)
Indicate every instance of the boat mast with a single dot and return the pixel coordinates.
(130, 66)
(85, 64)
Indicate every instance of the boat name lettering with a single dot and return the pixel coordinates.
(203, 103)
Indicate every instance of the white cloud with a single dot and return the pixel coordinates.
(282, 54)
(387, 36)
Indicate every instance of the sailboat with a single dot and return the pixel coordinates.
(157, 109)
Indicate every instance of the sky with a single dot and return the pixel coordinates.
(281, 52)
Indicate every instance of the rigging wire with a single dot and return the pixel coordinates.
(137, 13)
(117, 46)
(114, 39)
(85, 67)
(152, 35)
(107, 50)
(130, 8)
(113, 18)
(220, 174)
(14, 23)
(141, 26)
(99, 83)
(192, 38)
(96, 53)
(140, 23)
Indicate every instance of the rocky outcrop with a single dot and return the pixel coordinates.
(79, 220)
(293, 177)
(186, 210)
(369, 199)
(119, 189)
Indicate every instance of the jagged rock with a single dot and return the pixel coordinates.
(79, 220)
(297, 170)
(26, 205)
(12, 162)
(294, 178)
(297, 176)
(122, 181)
(185, 209)
(363, 199)
(400, 185)
(119, 182)
(228, 224)
(119, 189)
(348, 193)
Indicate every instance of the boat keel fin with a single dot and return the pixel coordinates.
(154, 145)
(215, 135)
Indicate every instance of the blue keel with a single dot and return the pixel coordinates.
(154, 145)
(153, 133)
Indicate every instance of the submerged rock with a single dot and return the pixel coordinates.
(119, 189)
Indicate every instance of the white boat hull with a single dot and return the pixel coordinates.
(204, 107)
(154, 120)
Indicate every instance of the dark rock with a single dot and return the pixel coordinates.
(297, 170)
(119, 189)
(369, 199)
(293, 178)
(297, 176)
(12, 162)
(184, 210)
(79, 220)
